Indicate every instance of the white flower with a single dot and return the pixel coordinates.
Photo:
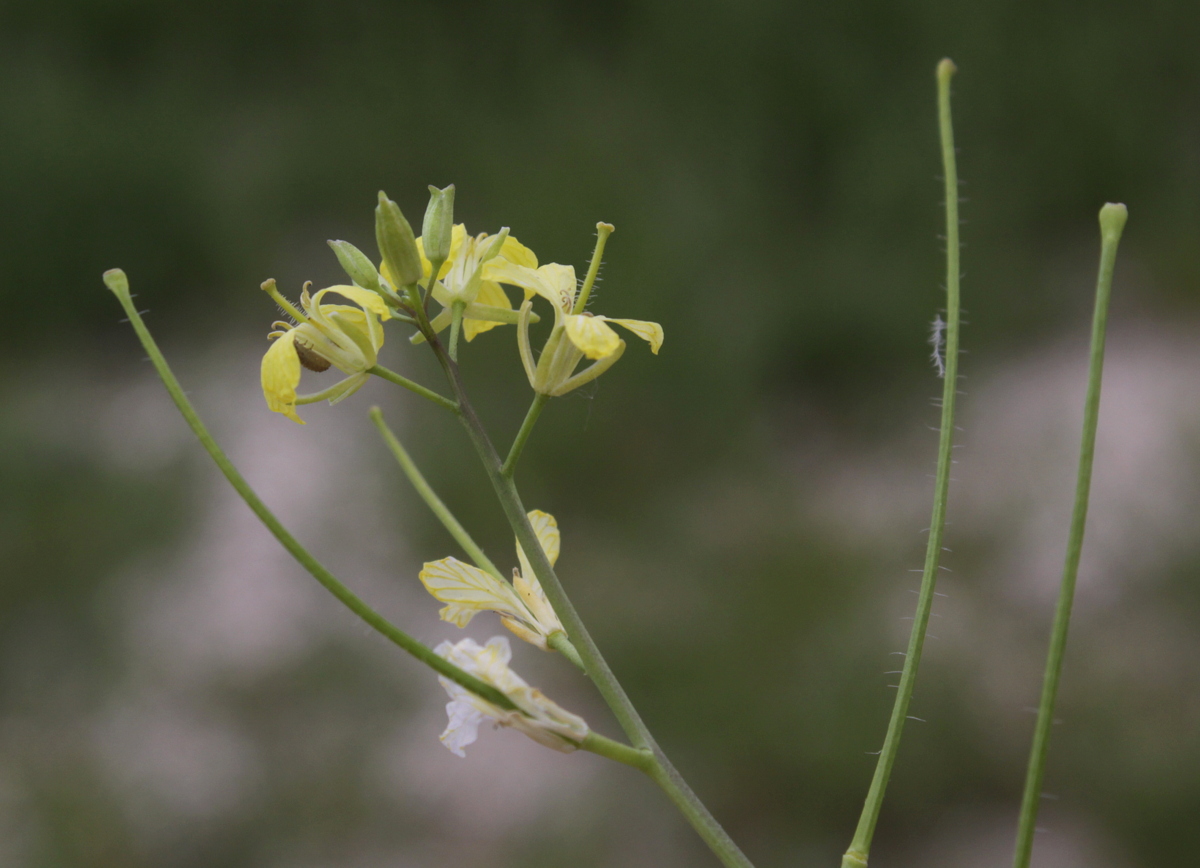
(536, 716)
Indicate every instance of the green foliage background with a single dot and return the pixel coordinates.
(771, 170)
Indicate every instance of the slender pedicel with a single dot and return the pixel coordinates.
(531, 417)
(860, 846)
(416, 388)
(1112, 223)
(435, 503)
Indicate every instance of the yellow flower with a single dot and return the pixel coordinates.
(347, 337)
(536, 716)
(576, 333)
(522, 606)
(466, 277)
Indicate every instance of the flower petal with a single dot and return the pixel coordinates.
(651, 332)
(281, 375)
(462, 728)
(553, 282)
(364, 298)
(492, 295)
(593, 337)
(545, 526)
(514, 251)
(469, 591)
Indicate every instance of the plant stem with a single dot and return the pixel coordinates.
(1112, 223)
(615, 750)
(119, 285)
(662, 771)
(393, 377)
(560, 643)
(456, 321)
(514, 454)
(860, 845)
(435, 504)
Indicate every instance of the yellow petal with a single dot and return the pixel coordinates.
(590, 333)
(469, 591)
(545, 526)
(553, 282)
(514, 251)
(490, 294)
(281, 375)
(651, 332)
(364, 298)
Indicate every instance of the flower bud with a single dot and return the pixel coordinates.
(356, 264)
(396, 242)
(439, 223)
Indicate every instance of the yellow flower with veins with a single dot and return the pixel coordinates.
(576, 332)
(466, 277)
(536, 716)
(347, 337)
(522, 606)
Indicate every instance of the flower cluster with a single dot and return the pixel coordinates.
(471, 273)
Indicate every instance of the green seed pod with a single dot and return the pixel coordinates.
(439, 224)
(356, 264)
(396, 242)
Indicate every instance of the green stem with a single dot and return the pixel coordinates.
(435, 504)
(514, 454)
(662, 771)
(456, 313)
(560, 643)
(860, 845)
(603, 230)
(622, 753)
(417, 388)
(117, 282)
(1112, 223)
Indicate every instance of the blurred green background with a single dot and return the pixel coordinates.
(739, 513)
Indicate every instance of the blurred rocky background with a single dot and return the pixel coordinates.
(740, 514)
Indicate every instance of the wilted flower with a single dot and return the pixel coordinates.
(522, 606)
(538, 717)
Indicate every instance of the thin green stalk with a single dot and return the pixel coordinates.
(514, 454)
(560, 643)
(622, 753)
(456, 321)
(860, 845)
(417, 388)
(603, 230)
(1112, 223)
(117, 282)
(662, 771)
(435, 504)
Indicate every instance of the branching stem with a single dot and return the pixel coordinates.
(661, 770)
(117, 283)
